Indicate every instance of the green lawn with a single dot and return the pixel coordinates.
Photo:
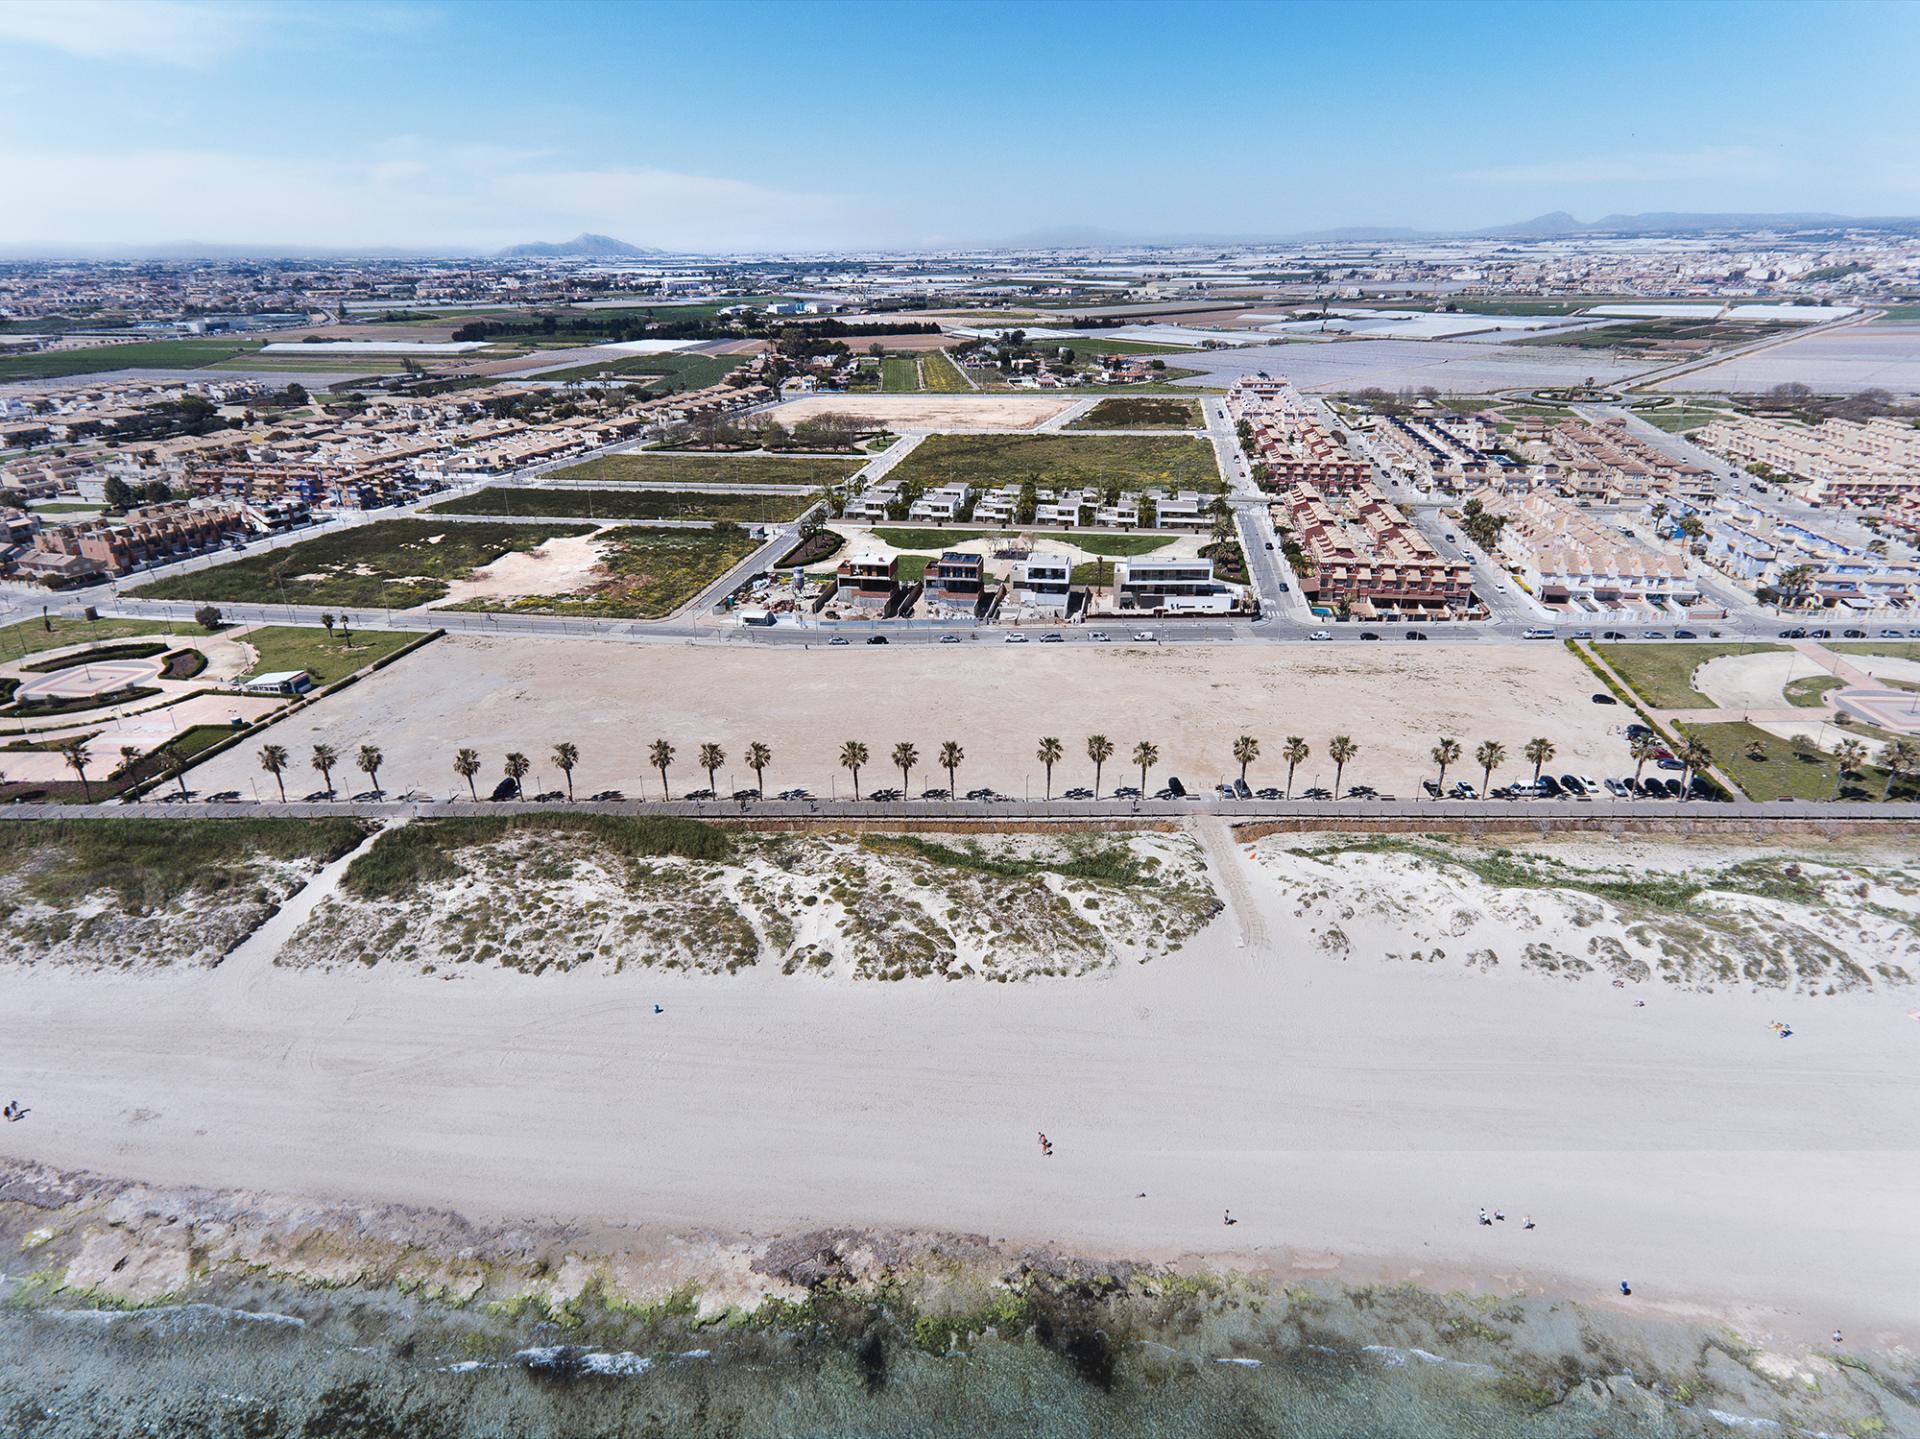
(396, 563)
(1679, 422)
(63, 507)
(700, 471)
(1129, 462)
(1132, 412)
(31, 636)
(912, 539)
(673, 372)
(649, 574)
(1783, 772)
(1811, 691)
(1118, 546)
(144, 355)
(1662, 674)
(899, 375)
(630, 504)
(326, 657)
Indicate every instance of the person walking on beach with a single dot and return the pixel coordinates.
(1229, 1219)
(1625, 1288)
(1526, 1221)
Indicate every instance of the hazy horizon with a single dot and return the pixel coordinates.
(455, 128)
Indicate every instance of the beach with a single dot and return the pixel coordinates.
(1352, 1111)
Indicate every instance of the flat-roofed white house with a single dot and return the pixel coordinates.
(1172, 587)
(1042, 582)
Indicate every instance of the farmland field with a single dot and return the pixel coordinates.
(899, 375)
(701, 471)
(628, 504)
(393, 563)
(1128, 412)
(145, 355)
(1130, 462)
(940, 374)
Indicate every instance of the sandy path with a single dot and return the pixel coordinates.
(1344, 1106)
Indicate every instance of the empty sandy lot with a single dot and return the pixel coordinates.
(951, 413)
(997, 700)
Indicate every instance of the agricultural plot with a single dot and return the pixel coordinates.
(939, 374)
(629, 504)
(1130, 412)
(1129, 462)
(899, 375)
(151, 355)
(392, 563)
(666, 373)
(697, 472)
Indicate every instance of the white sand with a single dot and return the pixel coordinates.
(997, 700)
(563, 565)
(1339, 1107)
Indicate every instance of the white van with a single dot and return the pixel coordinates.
(1538, 634)
(1143, 637)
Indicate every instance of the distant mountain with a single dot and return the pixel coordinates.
(585, 247)
(1067, 237)
(1670, 222)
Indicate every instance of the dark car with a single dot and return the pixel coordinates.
(1853, 634)
(1685, 635)
(1794, 634)
(1613, 635)
(1635, 731)
(1368, 635)
(1549, 786)
(1241, 791)
(1651, 788)
(1173, 783)
(1601, 697)
(1819, 634)
(1414, 635)
(1672, 787)
(876, 639)
(1432, 789)
(506, 789)
(1572, 785)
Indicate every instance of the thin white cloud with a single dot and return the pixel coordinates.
(1714, 162)
(404, 193)
(190, 33)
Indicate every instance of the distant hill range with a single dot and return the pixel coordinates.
(580, 247)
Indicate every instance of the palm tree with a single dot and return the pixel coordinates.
(711, 758)
(905, 757)
(75, 750)
(1756, 750)
(466, 764)
(660, 755)
(1294, 752)
(325, 757)
(566, 755)
(1643, 748)
(176, 762)
(1049, 754)
(1899, 758)
(1146, 756)
(1341, 750)
(129, 757)
(1694, 757)
(273, 759)
(1246, 749)
(326, 622)
(1099, 750)
(758, 757)
(1849, 754)
(369, 760)
(1490, 753)
(950, 756)
(1538, 752)
(516, 765)
(853, 754)
(1445, 753)
(1794, 583)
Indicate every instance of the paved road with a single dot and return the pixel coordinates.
(1451, 812)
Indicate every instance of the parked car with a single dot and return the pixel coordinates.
(1618, 789)
(1414, 635)
(1574, 786)
(1685, 635)
(1321, 635)
(1241, 791)
(949, 639)
(1052, 637)
(876, 639)
(1613, 635)
(1582, 634)
(1016, 638)
(1225, 791)
(1431, 787)
(1099, 637)
(1537, 632)
(1173, 783)
(1463, 790)
(1368, 635)
(1634, 731)
(1549, 786)
(1819, 634)
(1601, 697)
(1793, 634)
(1853, 634)
(1654, 635)
(1672, 787)
(838, 640)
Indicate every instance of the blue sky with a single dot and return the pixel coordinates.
(798, 125)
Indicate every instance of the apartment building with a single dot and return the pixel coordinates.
(1607, 463)
(152, 534)
(1293, 437)
(1442, 451)
(1567, 558)
(1842, 463)
(1849, 569)
(1360, 555)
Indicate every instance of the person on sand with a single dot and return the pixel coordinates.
(1485, 1218)
(1229, 1219)
(1625, 1288)
(1836, 1338)
(1501, 1215)
(1526, 1221)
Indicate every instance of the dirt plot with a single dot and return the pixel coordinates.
(631, 504)
(699, 471)
(955, 413)
(997, 701)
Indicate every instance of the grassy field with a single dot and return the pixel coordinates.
(939, 374)
(629, 504)
(912, 539)
(669, 372)
(1662, 675)
(326, 657)
(1782, 772)
(144, 355)
(1131, 412)
(1811, 691)
(899, 375)
(394, 563)
(31, 636)
(1680, 422)
(1131, 462)
(700, 471)
(650, 573)
(1116, 546)
(154, 862)
(63, 507)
